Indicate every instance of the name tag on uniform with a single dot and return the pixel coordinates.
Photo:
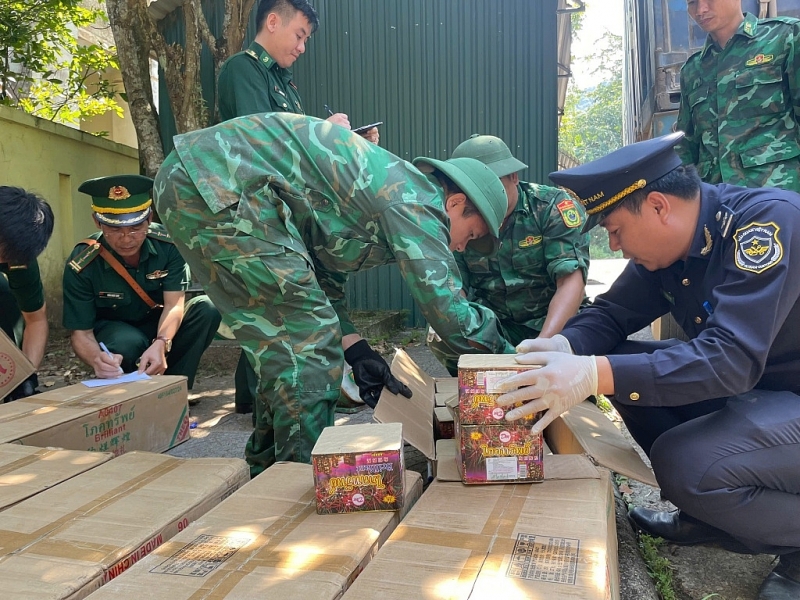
(111, 295)
(157, 275)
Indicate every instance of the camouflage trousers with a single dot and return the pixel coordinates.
(269, 296)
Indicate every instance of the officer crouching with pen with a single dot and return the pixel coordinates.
(124, 289)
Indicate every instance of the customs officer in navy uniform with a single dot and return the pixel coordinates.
(26, 224)
(125, 287)
(719, 415)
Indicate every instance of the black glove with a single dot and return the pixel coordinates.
(372, 373)
(24, 389)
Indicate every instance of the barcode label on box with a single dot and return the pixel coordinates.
(202, 556)
(544, 558)
(501, 469)
(493, 379)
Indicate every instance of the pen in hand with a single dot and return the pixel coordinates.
(328, 108)
(105, 349)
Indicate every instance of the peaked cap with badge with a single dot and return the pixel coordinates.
(491, 151)
(601, 184)
(120, 200)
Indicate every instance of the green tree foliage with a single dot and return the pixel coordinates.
(43, 69)
(592, 123)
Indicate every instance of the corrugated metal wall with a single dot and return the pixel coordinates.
(435, 71)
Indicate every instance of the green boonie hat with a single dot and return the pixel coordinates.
(491, 151)
(478, 182)
(120, 200)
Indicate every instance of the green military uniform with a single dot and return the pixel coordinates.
(96, 297)
(273, 212)
(21, 291)
(251, 82)
(739, 103)
(541, 242)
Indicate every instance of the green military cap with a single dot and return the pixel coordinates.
(120, 200)
(478, 182)
(491, 151)
(600, 184)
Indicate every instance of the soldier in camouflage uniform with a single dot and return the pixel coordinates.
(273, 212)
(259, 80)
(537, 279)
(26, 224)
(101, 306)
(739, 98)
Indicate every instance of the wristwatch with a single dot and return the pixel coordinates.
(167, 343)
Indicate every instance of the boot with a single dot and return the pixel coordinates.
(784, 581)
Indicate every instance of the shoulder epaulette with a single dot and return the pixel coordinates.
(251, 54)
(85, 257)
(157, 232)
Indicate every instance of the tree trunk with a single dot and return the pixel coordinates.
(131, 26)
(138, 38)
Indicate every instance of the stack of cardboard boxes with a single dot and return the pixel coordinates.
(555, 539)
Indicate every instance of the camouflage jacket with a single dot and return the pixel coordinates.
(347, 204)
(541, 242)
(251, 82)
(738, 106)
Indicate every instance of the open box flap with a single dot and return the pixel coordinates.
(415, 413)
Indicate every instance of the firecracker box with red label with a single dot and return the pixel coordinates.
(479, 385)
(498, 454)
(359, 468)
(443, 423)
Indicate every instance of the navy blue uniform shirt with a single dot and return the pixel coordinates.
(736, 297)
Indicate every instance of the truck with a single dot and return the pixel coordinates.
(658, 38)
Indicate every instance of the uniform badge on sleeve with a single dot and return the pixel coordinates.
(758, 247)
(569, 213)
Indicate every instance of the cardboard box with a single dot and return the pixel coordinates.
(359, 468)
(265, 541)
(490, 449)
(443, 423)
(14, 365)
(26, 471)
(581, 430)
(150, 415)
(498, 454)
(479, 378)
(69, 540)
(553, 540)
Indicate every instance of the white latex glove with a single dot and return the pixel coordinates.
(563, 381)
(557, 343)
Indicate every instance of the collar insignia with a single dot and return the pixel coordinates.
(709, 241)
